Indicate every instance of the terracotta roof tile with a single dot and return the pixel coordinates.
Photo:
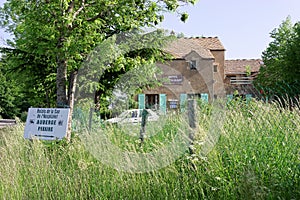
(211, 43)
(183, 46)
(239, 66)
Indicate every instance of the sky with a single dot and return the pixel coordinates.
(243, 26)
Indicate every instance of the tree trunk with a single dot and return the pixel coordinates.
(61, 92)
(71, 99)
(61, 79)
(97, 99)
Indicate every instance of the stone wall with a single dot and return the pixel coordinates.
(195, 81)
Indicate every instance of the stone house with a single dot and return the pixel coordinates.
(199, 69)
(196, 70)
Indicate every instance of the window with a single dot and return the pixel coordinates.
(193, 96)
(152, 101)
(215, 68)
(193, 65)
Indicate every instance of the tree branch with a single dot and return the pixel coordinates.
(79, 10)
(70, 7)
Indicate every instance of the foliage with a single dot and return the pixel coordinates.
(10, 98)
(248, 70)
(34, 73)
(124, 64)
(257, 157)
(54, 38)
(281, 61)
(65, 32)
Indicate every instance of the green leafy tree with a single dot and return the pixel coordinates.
(9, 95)
(146, 50)
(292, 57)
(66, 31)
(34, 73)
(280, 73)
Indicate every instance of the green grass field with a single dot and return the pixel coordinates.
(256, 155)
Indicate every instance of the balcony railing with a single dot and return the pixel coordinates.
(241, 80)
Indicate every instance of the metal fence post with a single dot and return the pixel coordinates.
(91, 118)
(192, 116)
(143, 125)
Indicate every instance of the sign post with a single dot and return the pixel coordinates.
(46, 123)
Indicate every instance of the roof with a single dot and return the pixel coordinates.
(181, 47)
(239, 66)
(211, 43)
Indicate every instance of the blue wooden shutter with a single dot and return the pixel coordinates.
(163, 103)
(248, 97)
(204, 97)
(229, 97)
(141, 101)
(183, 98)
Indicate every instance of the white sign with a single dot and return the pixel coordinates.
(46, 123)
(174, 79)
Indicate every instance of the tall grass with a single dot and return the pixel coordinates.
(256, 157)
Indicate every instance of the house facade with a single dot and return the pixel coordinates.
(196, 70)
(199, 69)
